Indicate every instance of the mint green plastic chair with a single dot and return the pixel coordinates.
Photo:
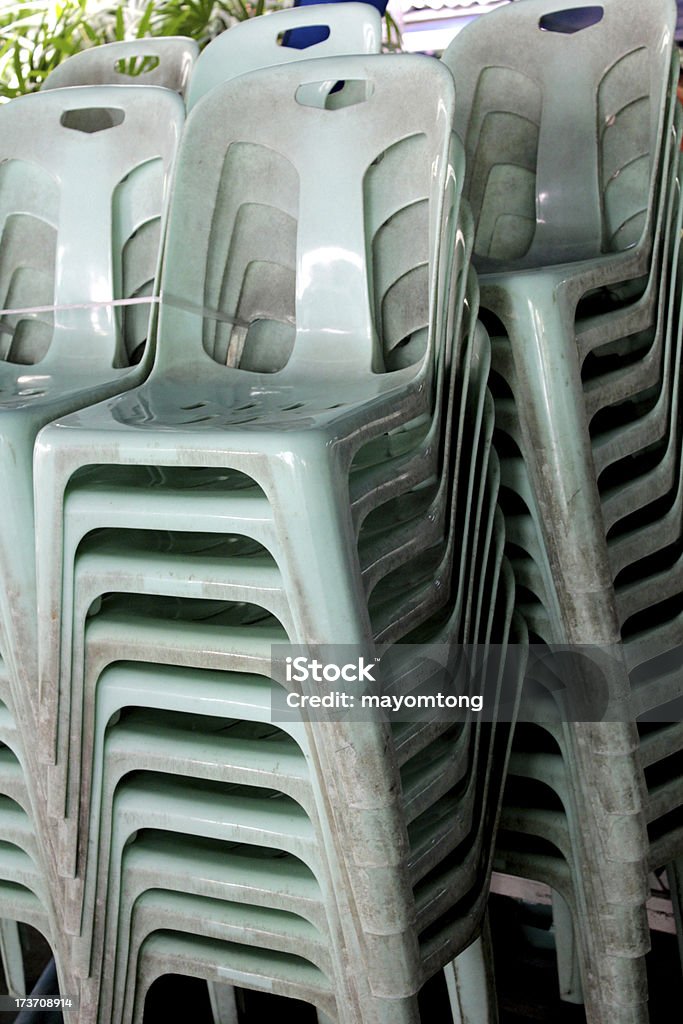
(558, 236)
(166, 62)
(163, 691)
(392, 475)
(121, 163)
(117, 504)
(12, 957)
(416, 400)
(633, 495)
(18, 903)
(353, 28)
(185, 594)
(58, 150)
(571, 284)
(612, 445)
(25, 894)
(164, 649)
(648, 588)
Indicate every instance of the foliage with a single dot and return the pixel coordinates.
(35, 36)
(204, 19)
(392, 34)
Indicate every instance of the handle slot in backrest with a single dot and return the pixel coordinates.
(571, 20)
(92, 119)
(334, 95)
(314, 34)
(138, 65)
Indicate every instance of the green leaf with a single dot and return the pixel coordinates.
(18, 70)
(145, 20)
(90, 32)
(119, 29)
(394, 41)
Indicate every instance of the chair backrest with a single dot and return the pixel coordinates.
(302, 38)
(166, 62)
(258, 43)
(83, 176)
(561, 106)
(297, 196)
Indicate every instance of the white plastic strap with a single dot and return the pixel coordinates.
(205, 312)
(81, 305)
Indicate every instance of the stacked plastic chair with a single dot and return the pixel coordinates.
(26, 895)
(82, 185)
(303, 465)
(165, 62)
(345, 28)
(169, 63)
(567, 112)
(71, 157)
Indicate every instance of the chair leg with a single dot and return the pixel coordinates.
(674, 874)
(12, 957)
(223, 999)
(568, 953)
(471, 985)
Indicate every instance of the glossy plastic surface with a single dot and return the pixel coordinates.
(165, 62)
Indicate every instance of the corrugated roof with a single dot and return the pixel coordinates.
(438, 5)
